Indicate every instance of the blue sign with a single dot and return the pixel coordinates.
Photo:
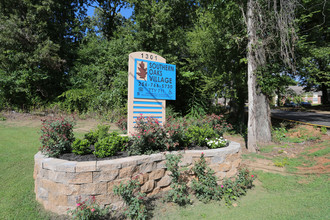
(154, 80)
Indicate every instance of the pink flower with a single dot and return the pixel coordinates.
(92, 210)
(221, 186)
(252, 176)
(78, 204)
(138, 136)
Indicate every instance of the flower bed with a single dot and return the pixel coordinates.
(59, 183)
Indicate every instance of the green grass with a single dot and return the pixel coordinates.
(18, 145)
(320, 153)
(254, 156)
(278, 197)
(17, 148)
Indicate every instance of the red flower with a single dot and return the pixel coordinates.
(252, 176)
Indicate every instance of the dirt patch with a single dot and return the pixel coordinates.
(315, 149)
(304, 131)
(264, 165)
(34, 120)
(297, 151)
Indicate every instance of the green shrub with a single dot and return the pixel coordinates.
(110, 145)
(100, 133)
(179, 192)
(76, 100)
(81, 147)
(56, 136)
(2, 118)
(198, 135)
(205, 185)
(132, 198)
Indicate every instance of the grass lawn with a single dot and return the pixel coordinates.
(274, 197)
(17, 148)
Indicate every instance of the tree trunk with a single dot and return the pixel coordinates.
(325, 97)
(264, 134)
(259, 123)
(252, 81)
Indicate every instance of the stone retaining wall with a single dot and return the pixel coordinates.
(59, 183)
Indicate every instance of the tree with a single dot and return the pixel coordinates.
(216, 53)
(313, 46)
(270, 28)
(108, 18)
(37, 42)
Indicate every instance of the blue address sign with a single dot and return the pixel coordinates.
(154, 80)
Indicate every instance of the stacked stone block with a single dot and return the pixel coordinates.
(59, 183)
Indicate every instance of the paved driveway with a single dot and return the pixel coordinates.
(308, 117)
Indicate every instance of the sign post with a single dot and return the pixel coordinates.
(150, 82)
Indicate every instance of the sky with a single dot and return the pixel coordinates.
(126, 12)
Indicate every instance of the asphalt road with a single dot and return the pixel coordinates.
(308, 117)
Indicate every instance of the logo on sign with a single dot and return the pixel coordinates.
(142, 71)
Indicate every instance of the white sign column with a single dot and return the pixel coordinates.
(154, 108)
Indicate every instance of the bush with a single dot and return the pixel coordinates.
(56, 136)
(88, 209)
(150, 137)
(232, 190)
(217, 123)
(133, 199)
(176, 129)
(179, 192)
(81, 147)
(205, 185)
(198, 135)
(110, 145)
(100, 133)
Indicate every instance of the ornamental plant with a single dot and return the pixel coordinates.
(198, 134)
(150, 137)
(110, 145)
(218, 123)
(232, 190)
(176, 129)
(179, 192)
(214, 143)
(100, 133)
(205, 184)
(88, 210)
(56, 136)
(133, 199)
(81, 147)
